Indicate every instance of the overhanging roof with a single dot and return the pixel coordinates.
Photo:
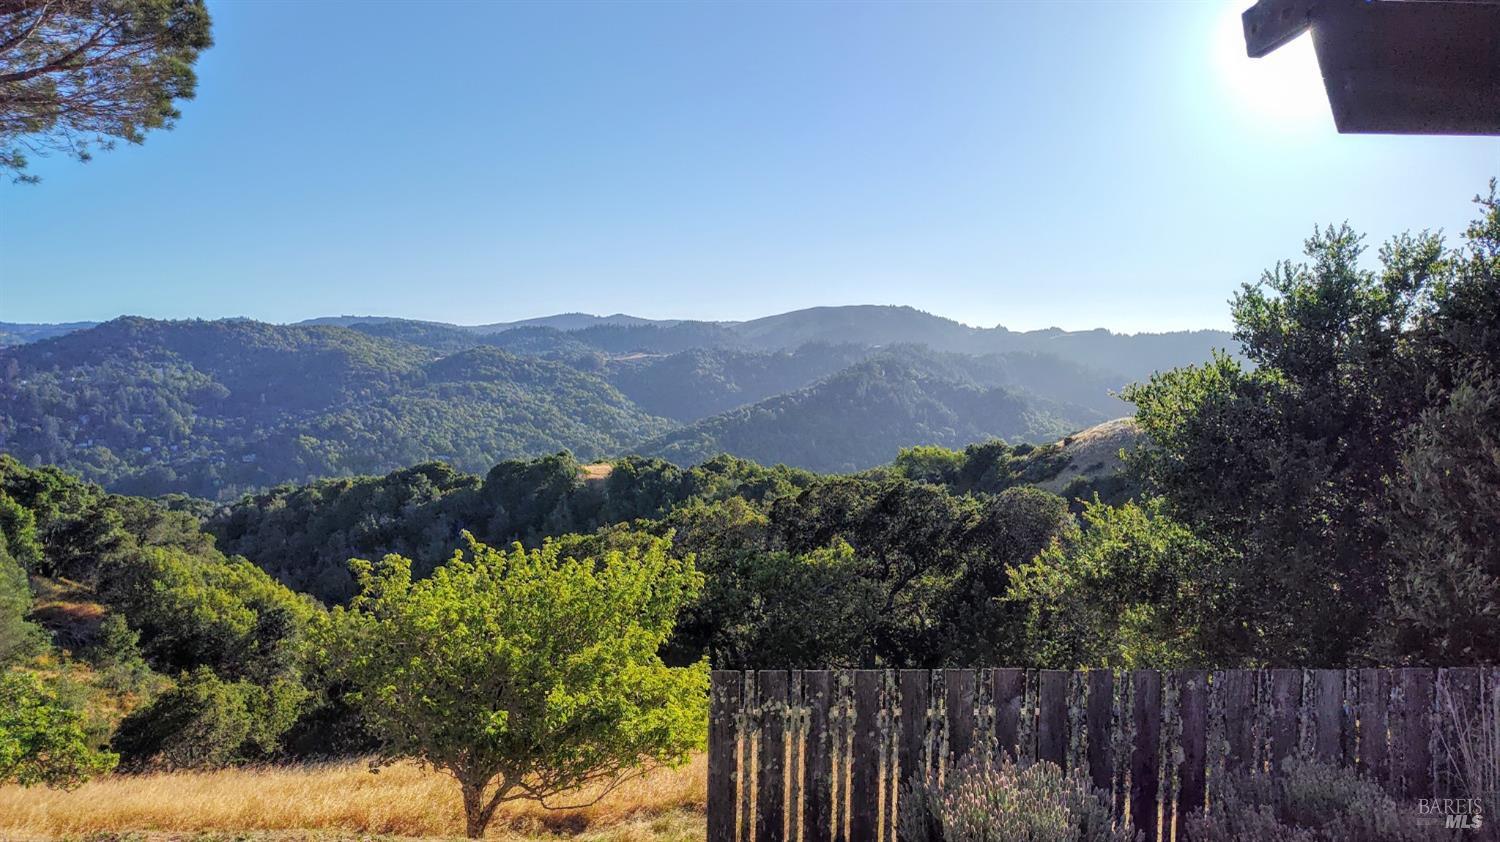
(1395, 66)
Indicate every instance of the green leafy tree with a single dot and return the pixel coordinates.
(42, 737)
(81, 74)
(1289, 461)
(523, 674)
(1127, 590)
(19, 552)
(18, 636)
(1445, 596)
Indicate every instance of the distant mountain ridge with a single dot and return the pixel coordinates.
(220, 408)
(1132, 356)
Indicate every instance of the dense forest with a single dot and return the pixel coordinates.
(218, 409)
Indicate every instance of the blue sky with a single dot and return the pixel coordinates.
(1078, 164)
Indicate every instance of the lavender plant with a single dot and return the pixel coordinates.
(981, 801)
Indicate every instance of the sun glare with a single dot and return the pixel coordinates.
(1283, 89)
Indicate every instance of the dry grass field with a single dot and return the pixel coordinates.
(336, 802)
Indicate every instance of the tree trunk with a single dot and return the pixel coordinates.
(475, 818)
(477, 811)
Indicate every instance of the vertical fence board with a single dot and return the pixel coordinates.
(1145, 759)
(912, 760)
(1374, 701)
(1099, 719)
(770, 784)
(1008, 688)
(1237, 695)
(1194, 717)
(726, 700)
(959, 689)
(817, 760)
(1411, 731)
(1052, 716)
(1286, 700)
(1328, 720)
(911, 740)
(864, 779)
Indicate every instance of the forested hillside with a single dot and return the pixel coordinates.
(217, 409)
(875, 407)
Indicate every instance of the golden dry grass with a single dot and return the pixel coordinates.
(337, 801)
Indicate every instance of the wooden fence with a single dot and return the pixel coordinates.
(822, 755)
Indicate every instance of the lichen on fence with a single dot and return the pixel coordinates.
(822, 755)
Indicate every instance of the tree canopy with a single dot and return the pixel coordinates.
(79, 75)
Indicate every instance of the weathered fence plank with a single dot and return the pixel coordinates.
(961, 701)
(770, 792)
(1193, 703)
(1099, 724)
(1374, 724)
(1008, 690)
(1237, 696)
(912, 757)
(911, 745)
(1411, 733)
(1052, 716)
(1286, 701)
(726, 701)
(817, 759)
(1328, 721)
(864, 767)
(1145, 757)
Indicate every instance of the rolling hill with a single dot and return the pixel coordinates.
(219, 408)
(859, 418)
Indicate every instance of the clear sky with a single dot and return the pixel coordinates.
(1076, 164)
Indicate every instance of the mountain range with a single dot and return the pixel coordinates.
(220, 408)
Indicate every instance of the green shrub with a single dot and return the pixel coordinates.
(116, 653)
(1308, 801)
(1032, 802)
(42, 736)
(206, 722)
